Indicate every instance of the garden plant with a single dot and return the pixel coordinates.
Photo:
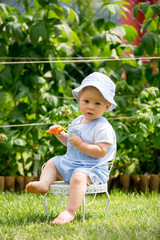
(42, 58)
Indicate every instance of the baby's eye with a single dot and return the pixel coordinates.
(98, 103)
(86, 101)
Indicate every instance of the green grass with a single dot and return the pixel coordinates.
(130, 216)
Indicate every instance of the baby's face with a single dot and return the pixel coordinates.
(92, 104)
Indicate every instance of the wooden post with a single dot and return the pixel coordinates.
(134, 182)
(154, 183)
(2, 183)
(19, 185)
(115, 182)
(144, 183)
(110, 183)
(10, 183)
(125, 182)
(28, 179)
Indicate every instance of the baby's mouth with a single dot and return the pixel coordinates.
(89, 113)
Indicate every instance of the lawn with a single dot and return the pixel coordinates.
(130, 216)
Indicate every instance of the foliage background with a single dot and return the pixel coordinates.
(37, 89)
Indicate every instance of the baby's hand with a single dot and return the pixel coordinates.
(55, 129)
(75, 140)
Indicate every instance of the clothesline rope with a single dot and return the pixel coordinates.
(80, 57)
(38, 124)
(72, 60)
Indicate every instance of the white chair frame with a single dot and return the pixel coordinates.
(62, 188)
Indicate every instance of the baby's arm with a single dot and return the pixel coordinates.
(97, 150)
(61, 136)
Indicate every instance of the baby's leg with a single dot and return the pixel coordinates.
(77, 192)
(48, 176)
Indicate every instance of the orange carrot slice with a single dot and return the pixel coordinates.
(48, 131)
(57, 130)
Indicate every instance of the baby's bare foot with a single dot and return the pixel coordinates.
(36, 187)
(64, 217)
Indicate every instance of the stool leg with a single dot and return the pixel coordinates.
(44, 204)
(107, 194)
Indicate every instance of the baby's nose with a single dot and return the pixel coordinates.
(90, 106)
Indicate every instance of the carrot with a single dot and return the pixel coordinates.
(57, 130)
(60, 129)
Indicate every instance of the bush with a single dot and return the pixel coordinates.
(34, 88)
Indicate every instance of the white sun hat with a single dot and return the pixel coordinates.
(103, 83)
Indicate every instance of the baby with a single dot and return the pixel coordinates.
(93, 141)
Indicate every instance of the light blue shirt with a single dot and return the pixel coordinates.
(98, 131)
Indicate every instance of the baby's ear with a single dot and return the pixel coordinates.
(108, 106)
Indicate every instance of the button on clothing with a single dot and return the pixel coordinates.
(98, 131)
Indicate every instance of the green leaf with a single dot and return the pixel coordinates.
(55, 12)
(54, 1)
(148, 43)
(4, 10)
(113, 38)
(51, 57)
(149, 13)
(43, 109)
(157, 38)
(145, 6)
(145, 25)
(21, 89)
(43, 3)
(69, 13)
(20, 95)
(61, 80)
(38, 79)
(6, 75)
(18, 69)
(122, 2)
(52, 100)
(148, 73)
(123, 14)
(42, 149)
(66, 31)
(138, 51)
(133, 73)
(153, 26)
(37, 31)
(58, 11)
(114, 9)
(121, 30)
(136, 9)
(67, 1)
(99, 40)
(43, 96)
(75, 38)
(14, 31)
(73, 16)
(156, 8)
(3, 48)
(131, 33)
(20, 142)
(60, 65)
(16, 115)
(1, 95)
(26, 5)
